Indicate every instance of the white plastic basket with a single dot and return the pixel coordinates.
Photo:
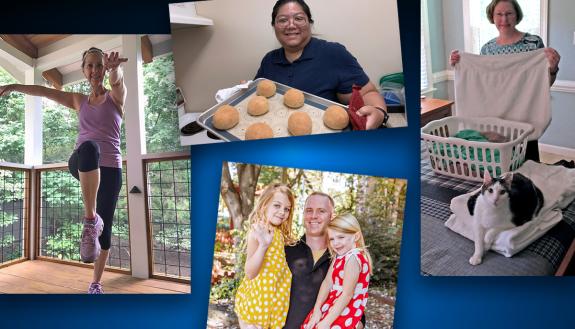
(460, 158)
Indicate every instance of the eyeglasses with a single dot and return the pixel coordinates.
(507, 14)
(298, 20)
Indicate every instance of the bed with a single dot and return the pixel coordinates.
(446, 253)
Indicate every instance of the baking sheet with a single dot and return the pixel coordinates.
(276, 117)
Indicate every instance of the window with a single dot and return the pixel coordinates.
(479, 30)
(426, 71)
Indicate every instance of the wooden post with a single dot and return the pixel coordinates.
(147, 50)
(54, 77)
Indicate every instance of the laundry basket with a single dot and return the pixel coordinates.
(465, 159)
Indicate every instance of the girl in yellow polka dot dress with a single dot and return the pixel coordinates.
(262, 299)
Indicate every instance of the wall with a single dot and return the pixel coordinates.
(220, 56)
(561, 26)
(561, 29)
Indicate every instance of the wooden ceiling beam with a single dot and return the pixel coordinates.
(147, 49)
(54, 77)
(20, 42)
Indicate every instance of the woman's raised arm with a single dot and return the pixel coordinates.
(68, 99)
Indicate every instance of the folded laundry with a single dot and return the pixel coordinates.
(557, 184)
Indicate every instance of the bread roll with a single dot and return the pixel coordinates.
(259, 130)
(266, 88)
(258, 105)
(293, 98)
(299, 123)
(335, 117)
(226, 117)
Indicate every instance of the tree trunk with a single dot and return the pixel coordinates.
(239, 200)
(400, 189)
(231, 197)
(248, 178)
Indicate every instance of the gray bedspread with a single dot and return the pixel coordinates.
(446, 253)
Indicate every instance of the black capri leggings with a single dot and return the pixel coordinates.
(86, 158)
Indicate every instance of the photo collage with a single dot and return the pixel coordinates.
(308, 164)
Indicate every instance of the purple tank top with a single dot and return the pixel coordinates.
(101, 124)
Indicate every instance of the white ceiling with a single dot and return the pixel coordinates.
(66, 54)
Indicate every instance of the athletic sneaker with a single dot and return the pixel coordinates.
(89, 245)
(95, 288)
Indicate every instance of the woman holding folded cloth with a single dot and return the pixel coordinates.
(506, 14)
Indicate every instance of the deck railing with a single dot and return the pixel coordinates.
(168, 211)
(60, 213)
(15, 194)
(59, 210)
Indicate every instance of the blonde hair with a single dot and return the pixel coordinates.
(348, 224)
(319, 193)
(258, 214)
(92, 50)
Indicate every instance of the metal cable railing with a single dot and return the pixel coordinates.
(60, 219)
(14, 212)
(168, 212)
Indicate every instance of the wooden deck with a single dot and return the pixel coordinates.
(43, 277)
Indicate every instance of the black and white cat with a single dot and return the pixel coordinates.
(503, 203)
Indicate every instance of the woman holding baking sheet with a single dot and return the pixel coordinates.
(316, 66)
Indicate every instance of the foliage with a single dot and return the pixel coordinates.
(65, 242)
(169, 204)
(162, 134)
(224, 241)
(121, 228)
(383, 242)
(60, 126)
(6, 240)
(11, 201)
(12, 185)
(11, 123)
(177, 238)
(7, 219)
(60, 189)
(378, 205)
(226, 289)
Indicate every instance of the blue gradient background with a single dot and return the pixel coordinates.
(422, 302)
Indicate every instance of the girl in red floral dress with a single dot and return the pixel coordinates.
(343, 294)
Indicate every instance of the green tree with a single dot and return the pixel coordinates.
(11, 219)
(162, 133)
(11, 123)
(60, 126)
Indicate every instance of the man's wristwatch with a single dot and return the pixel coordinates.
(385, 115)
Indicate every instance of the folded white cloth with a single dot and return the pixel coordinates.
(513, 87)
(557, 184)
(224, 94)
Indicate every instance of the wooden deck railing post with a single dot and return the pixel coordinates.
(33, 214)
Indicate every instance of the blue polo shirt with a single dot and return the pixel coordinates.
(323, 69)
